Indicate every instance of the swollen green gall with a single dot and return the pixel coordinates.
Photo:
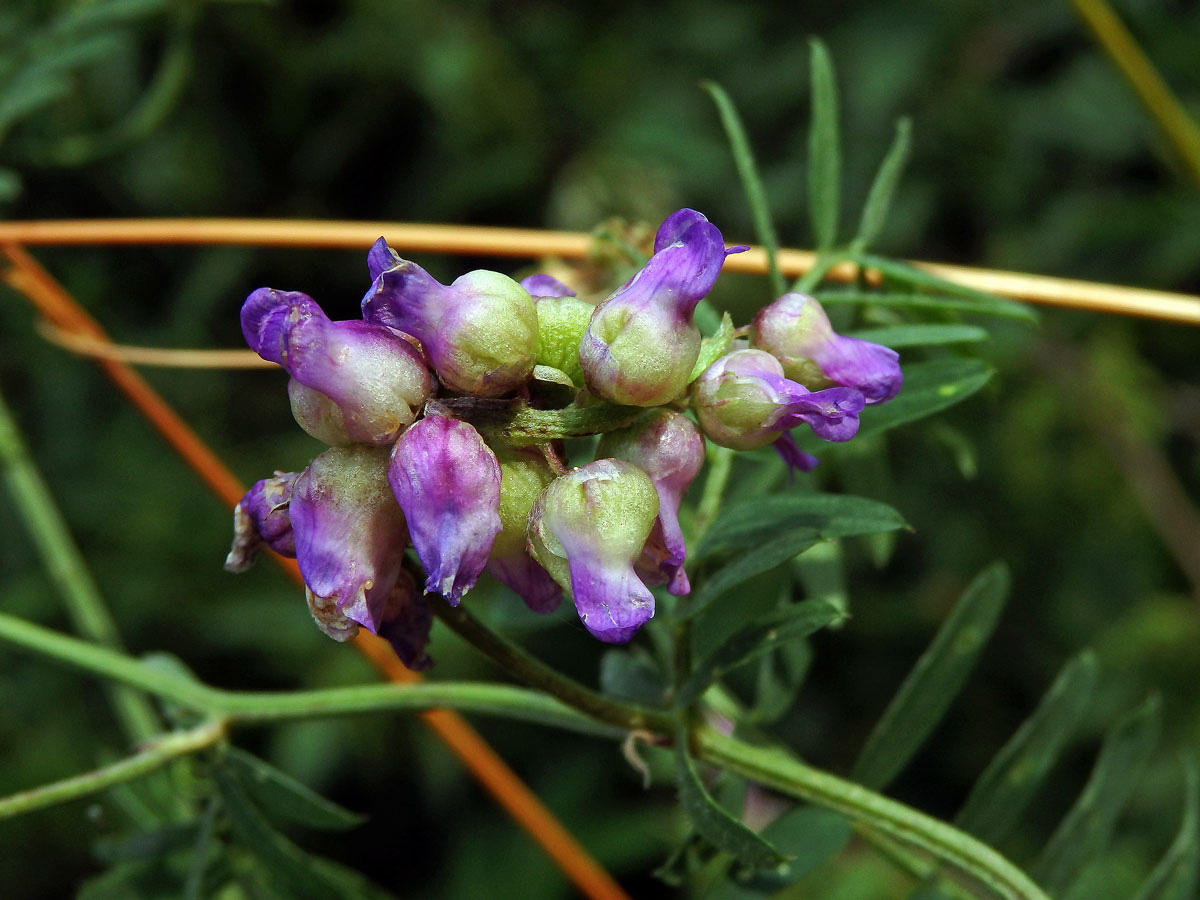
(587, 529)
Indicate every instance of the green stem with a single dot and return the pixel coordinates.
(535, 673)
(783, 773)
(720, 464)
(518, 424)
(810, 279)
(65, 565)
(154, 756)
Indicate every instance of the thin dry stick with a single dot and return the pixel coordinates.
(533, 244)
(64, 312)
(95, 348)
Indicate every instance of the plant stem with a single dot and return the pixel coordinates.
(67, 570)
(720, 463)
(535, 673)
(154, 756)
(778, 770)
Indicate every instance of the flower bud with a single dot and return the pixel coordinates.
(524, 474)
(795, 330)
(743, 401)
(447, 481)
(350, 538)
(352, 382)
(480, 332)
(670, 449)
(562, 322)
(641, 343)
(261, 517)
(587, 528)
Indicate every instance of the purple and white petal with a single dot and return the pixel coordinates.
(261, 519)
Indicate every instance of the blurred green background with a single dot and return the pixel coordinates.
(1030, 153)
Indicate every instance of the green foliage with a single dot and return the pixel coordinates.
(824, 150)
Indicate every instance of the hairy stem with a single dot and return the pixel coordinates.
(153, 756)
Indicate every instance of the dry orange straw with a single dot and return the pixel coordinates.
(65, 313)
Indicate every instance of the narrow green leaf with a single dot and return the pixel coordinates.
(713, 823)
(781, 674)
(752, 186)
(1084, 833)
(922, 335)
(760, 636)
(879, 199)
(935, 680)
(915, 277)
(929, 387)
(1177, 874)
(713, 348)
(984, 305)
(824, 150)
(761, 559)
(631, 674)
(284, 799)
(751, 522)
(301, 874)
(1010, 781)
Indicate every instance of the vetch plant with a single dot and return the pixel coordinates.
(639, 454)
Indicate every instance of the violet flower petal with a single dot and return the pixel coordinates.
(447, 481)
(261, 518)
(543, 285)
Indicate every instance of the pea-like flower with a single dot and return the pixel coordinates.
(350, 538)
(641, 343)
(796, 331)
(447, 481)
(352, 382)
(670, 449)
(743, 401)
(261, 519)
(480, 332)
(587, 529)
(524, 474)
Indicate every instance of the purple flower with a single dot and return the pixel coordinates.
(670, 449)
(261, 518)
(587, 529)
(743, 401)
(795, 330)
(641, 343)
(350, 538)
(447, 481)
(543, 285)
(352, 382)
(524, 474)
(480, 332)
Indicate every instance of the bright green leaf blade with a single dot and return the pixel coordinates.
(758, 637)
(302, 875)
(761, 559)
(879, 199)
(935, 680)
(284, 799)
(713, 823)
(985, 306)
(1084, 832)
(914, 277)
(1008, 784)
(713, 348)
(752, 186)
(824, 150)
(1177, 874)
(921, 335)
(749, 523)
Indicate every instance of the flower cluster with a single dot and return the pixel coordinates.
(404, 398)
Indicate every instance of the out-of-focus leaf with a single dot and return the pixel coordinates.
(929, 387)
(761, 559)
(780, 676)
(631, 674)
(751, 522)
(1178, 873)
(756, 638)
(1084, 833)
(914, 277)
(879, 199)
(752, 186)
(284, 799)
(301, 874)
(985, 305)
(147, 845)
(1010, 781)
(808, 836)
(935, 680)
(824, 150)
(113, 12)
(713, 823)
(922, 335)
